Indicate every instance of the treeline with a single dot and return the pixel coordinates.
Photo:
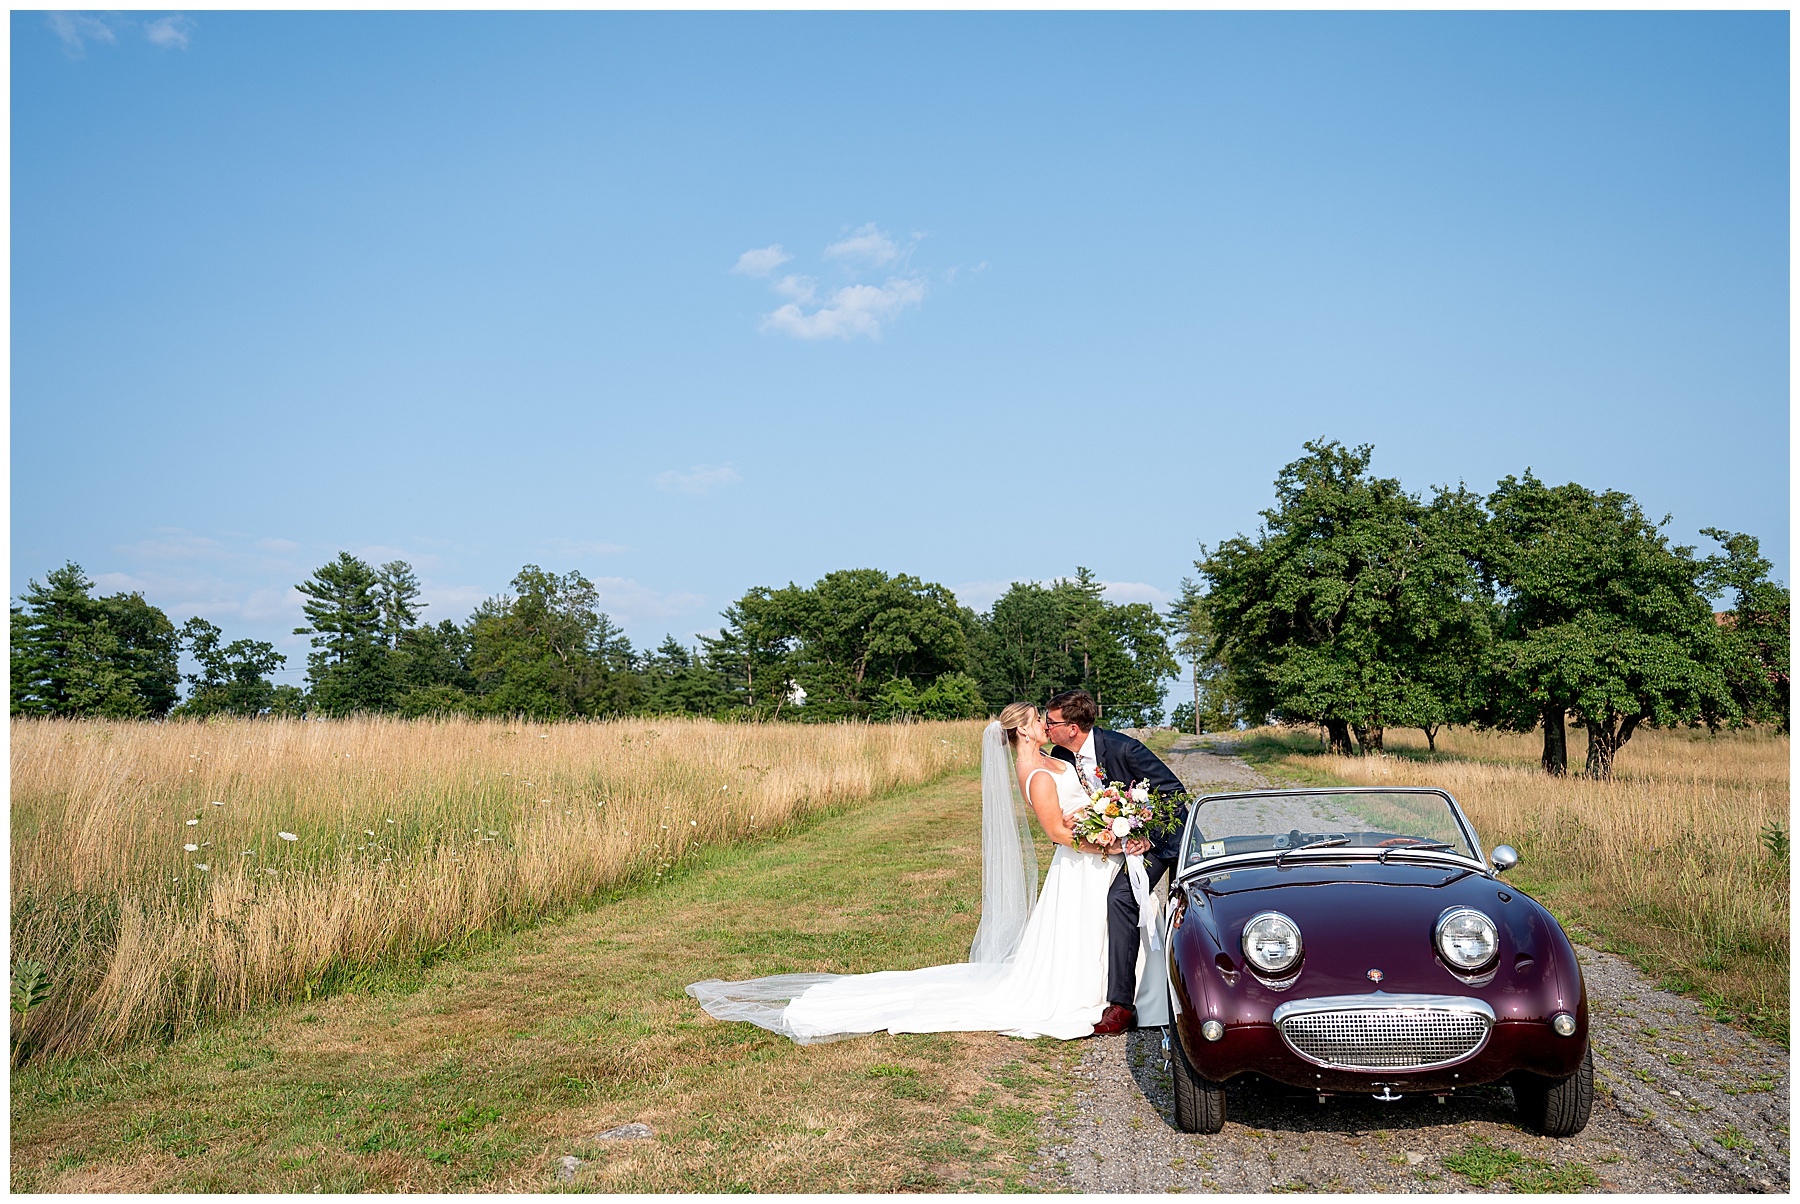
(857, 644)
(1359, 606)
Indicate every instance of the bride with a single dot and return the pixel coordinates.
(1033, 970)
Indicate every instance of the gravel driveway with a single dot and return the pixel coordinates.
(1682, 1104)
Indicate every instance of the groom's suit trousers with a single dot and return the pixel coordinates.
(1122, 931)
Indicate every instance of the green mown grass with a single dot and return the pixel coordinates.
(482, 1072)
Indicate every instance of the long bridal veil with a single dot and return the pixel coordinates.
(1009, 872)
(1009, 878)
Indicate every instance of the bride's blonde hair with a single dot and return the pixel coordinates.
(1014, 717)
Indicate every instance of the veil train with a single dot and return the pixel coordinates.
(1009, 889)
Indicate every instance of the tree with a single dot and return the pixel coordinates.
(233, 680)
(852, 631)
(548, 652)
(396, 600)
(350, 669)
(431, 667)
(678, 682)
(1037, 640)
(1755, 632)
(1019, 651)
(1601, 619)
(753, 654)
(1321, 618)
(1212, 709)
(1128, 660)
(74, 654)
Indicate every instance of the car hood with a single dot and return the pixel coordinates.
(1356, 917)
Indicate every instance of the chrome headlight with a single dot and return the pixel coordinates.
(1467, 939)
(1272, 942)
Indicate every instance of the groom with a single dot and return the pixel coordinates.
(1102, 756)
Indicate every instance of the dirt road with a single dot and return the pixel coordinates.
(1683, 1104)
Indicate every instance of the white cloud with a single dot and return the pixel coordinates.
(849, 311)
(1133, 591)
(171, 33)
(761, 261)
(797, 288)
(631, 604)
(77, 29)
(699, 480)
(866, 246)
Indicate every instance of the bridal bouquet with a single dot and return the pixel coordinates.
(1124, 811)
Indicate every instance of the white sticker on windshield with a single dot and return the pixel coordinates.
(1212, 848)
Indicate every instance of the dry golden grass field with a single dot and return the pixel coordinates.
(163, 874)
(1680, 861)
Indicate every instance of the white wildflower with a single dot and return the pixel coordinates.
(218, 802)
(390, 821)
(192, 822)
(693, 823)
(201, 865)
(491, 832)
(287, 836)
(368, 831)
(191, 848)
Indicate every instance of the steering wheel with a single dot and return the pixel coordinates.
(1399, 840)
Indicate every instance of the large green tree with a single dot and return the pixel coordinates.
(1036, 640)
(1601, 619)
(233, 678)
(547, 651)
(75, 654)
(1335, 612)
(350, 668)
(678, 681)
(1019, 648)
(753, 654)
(855, 629)
(1755, 632)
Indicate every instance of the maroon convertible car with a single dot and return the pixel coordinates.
(1356, 940)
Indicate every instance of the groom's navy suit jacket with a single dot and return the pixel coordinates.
(1123, 759)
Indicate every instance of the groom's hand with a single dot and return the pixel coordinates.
(1137, 846)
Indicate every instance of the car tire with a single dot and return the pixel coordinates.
(1557, 1107)
(1199, 1105)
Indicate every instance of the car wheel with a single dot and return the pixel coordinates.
(1199, 1105)
(1556, 1107)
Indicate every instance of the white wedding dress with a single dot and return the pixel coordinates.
(1047, 980)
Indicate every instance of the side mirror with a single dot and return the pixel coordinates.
(1504, 857)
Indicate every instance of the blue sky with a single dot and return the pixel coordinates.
(697, 302)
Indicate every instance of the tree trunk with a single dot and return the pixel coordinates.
(1339, 733)
(1368, 739)
(1431, 736)
(1605, 739)
(1556, 743)
(1196, 697)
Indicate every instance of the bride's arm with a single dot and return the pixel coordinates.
(1046, 804)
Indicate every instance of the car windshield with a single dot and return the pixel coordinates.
(1260, 823)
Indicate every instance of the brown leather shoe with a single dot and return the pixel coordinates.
(1115, 1019)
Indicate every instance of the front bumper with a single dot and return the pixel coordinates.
(1512, 1045)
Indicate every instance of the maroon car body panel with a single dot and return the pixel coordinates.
(1357, 915)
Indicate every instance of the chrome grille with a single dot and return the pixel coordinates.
(1383, 1036)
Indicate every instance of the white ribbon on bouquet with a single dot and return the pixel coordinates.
(1149, 905)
